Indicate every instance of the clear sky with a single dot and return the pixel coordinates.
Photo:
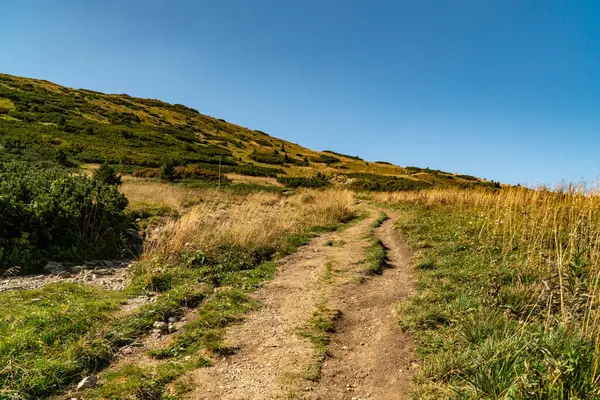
(503, 89)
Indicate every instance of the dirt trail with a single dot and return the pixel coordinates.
(370, 358)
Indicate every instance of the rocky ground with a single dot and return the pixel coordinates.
(110, 275)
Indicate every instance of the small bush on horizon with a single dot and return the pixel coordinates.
(107, 175)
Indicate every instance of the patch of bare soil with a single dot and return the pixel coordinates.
(369, 356)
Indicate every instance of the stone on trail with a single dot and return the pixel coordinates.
(54, 267)
(87, 383)
(161, 326)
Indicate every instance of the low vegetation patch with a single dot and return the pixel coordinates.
(325, 159)
(318, 181)
(376, 256)
(318, 330)
(49, 214)
(508, 292)
(381, 183)
(380, 220)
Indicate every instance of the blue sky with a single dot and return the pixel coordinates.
(504, 89)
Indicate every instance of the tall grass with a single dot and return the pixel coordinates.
(248, 231)
(180, 198)
(551, 237)
(540, 250)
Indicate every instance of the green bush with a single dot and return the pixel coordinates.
(167, 172)
(325, 159)
(268, 158)
(48, 214)
(107, 175)
(256, 170)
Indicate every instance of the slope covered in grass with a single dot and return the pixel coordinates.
(42, 121)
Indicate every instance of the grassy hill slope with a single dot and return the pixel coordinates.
(43, 121)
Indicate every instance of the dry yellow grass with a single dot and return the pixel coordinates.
(262, 221)
(138, 190)
(551, 235)
(257, 180)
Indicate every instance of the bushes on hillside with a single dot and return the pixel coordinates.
(325, 159)
(196, 172)
(268, 158)
(382, 183)
(170, 172)
(343, 155)
(48, 214)
(317, 181)
(256, 170)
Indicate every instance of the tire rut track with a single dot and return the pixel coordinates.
(370, 357)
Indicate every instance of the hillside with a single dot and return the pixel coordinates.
(43, 121)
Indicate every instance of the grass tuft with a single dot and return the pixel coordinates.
(380, 220)
(375, 256)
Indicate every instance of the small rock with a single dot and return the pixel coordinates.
(172, 320)
(87, 383)
(54, 267)
(63, 274)
(172, 329)
(77, 269)
(161, 326)
(155, 334)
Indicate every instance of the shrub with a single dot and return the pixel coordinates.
(107, 175)
(264, 142)
(383, 183)
(48, 214)
(342, 155)
(256, 170)
(268, 158)
(167, 172)
(325, 159)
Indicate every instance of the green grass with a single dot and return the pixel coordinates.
(375, 256)
(477, 334)
(318, 330)
(380, 220)
(48, 336)
(53, 336)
